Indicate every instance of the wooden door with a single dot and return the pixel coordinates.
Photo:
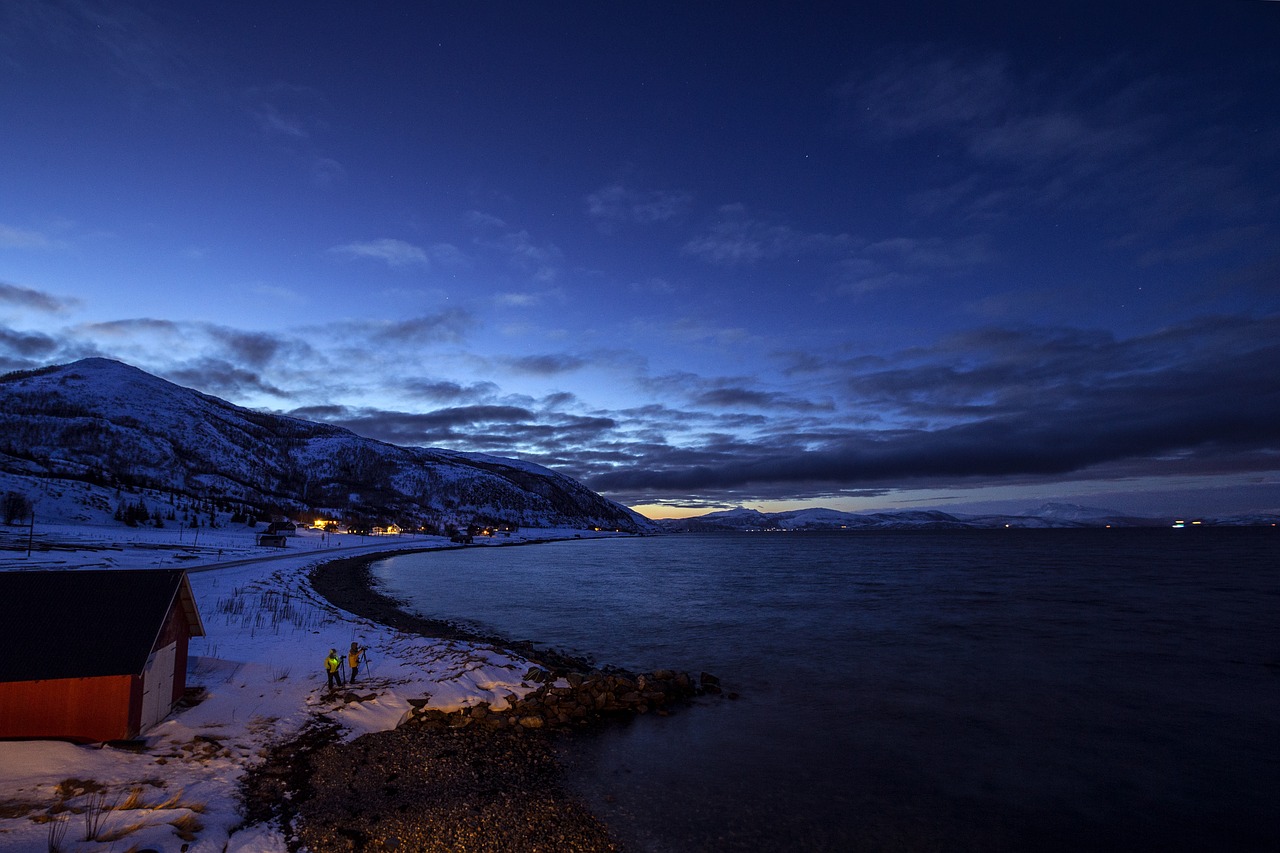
(157, 685)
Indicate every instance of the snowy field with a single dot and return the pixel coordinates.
(261, 669)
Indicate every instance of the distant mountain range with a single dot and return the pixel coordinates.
(112, 429)
(1050, 515)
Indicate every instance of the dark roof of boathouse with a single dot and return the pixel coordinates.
(87, 623)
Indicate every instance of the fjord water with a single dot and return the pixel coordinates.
(948, 690)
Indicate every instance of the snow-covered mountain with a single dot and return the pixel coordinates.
(1050, 515)
(814, 519)
(116, 427)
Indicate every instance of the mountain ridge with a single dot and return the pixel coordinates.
(1056, 515)
(117, 426)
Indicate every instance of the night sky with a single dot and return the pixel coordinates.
(697, 255)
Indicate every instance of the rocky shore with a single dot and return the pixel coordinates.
(482, 779)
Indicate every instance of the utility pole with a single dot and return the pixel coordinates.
(31, 531)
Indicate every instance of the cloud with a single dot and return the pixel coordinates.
(926, 91)
(517, 300)
(396, 253)
(516, 248)
(221, 378)
(653, 286)
(738, 239)
(447, 325)
(327, 172)
(499, 429)
(135, 326)
(272, 122)
(128, 40)
(440, 427)
(328, 413)
(546, 365)
(21, 238)
(540, 261)
(442, 391)
(255, 348)
(616, 204)
(218, 359)
(480, 219)
(738, 397)
(997, 405)
(279, 294)
(1005, 404)
(37, 300)
(932, 253)
(286, 112)
(899, 262)
(1154, 155)
(1056, 136)
(27, 345)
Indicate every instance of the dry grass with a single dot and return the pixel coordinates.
(17, 808)
(95, 810)
(73, 787)
(133, 801)
(119, 832)
(57, 831)
(187, 826)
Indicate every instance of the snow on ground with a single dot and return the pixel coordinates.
(261, 666)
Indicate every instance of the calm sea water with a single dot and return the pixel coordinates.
(972, 690)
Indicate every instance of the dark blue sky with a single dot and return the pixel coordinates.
(697, 255)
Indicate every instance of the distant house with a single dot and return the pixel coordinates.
(93, 655)
(272, 540)
(281, 528)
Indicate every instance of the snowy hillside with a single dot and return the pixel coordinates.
(107, 428)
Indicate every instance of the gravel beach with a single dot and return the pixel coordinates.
(426, 787)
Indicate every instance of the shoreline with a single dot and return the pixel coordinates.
(348, 583)
(433, 786)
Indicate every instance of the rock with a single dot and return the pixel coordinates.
(564, 697)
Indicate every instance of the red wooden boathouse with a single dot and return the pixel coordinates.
(93, 655)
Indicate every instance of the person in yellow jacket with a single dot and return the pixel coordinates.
(331, 664)
(353, 661)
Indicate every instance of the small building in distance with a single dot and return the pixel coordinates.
(281, 528)
(272, 540)
(93, 655)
